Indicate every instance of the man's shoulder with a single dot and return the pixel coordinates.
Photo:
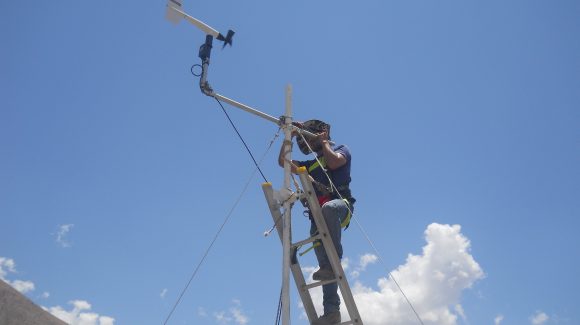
(342, 148)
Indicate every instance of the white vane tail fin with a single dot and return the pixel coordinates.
(171, 14)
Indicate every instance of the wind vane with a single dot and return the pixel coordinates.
(175, 13)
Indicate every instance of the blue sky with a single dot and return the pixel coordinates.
(462, 117)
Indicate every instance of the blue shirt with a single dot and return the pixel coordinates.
(340, 176)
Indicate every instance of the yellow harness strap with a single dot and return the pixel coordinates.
(316, 244)
(346, 220)
(316, 164)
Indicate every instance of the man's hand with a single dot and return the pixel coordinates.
(322, 136)
(298, 125)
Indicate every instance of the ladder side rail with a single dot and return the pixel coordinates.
(316, 211)
(295, 265)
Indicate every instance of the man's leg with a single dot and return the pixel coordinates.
(330, 298)
(334, 212)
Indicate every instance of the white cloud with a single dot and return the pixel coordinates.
(7, 265)
(345, 262)
(62, 233)
(22, 286)
(80, 314)
(239, 316)
(539, 318)
(498, 319)
(459, 310)
(364, 261)
(222, 318)
(312, 269)
(163, 293)
(433, 281)
(106, 320)
(201, 312)
(234, 315)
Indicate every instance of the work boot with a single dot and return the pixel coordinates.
(330, 318)
(324, 273)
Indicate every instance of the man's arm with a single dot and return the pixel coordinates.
(334, 159)
(282, 156)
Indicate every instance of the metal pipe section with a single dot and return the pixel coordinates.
(247, 109)
(277, 121)
(204, 55)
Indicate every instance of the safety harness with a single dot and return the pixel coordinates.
(328, 194)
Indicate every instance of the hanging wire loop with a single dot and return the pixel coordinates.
(196, 67)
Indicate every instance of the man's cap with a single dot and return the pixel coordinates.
(313, 126)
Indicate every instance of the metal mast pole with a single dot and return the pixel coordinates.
(287, 233)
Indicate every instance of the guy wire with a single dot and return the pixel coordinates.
(227, 218)
(244, 142)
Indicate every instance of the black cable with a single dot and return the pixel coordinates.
(244, 142)
(279, 312)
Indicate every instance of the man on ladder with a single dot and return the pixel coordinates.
(330, 173)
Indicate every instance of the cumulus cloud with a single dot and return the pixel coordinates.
(498, 319)
(345, 263)
(433, 281)
(22, 286)
(7, 265)
(80, 314)
(222, 318)
(61, 235)
(239, 316)
(234, 315)
(539, 318)
(459, 310)
(364, 261)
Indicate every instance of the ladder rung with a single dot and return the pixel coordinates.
(319, 283)
(347, 323)
(306, 241)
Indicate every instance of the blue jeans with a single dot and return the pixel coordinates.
(334, 213)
